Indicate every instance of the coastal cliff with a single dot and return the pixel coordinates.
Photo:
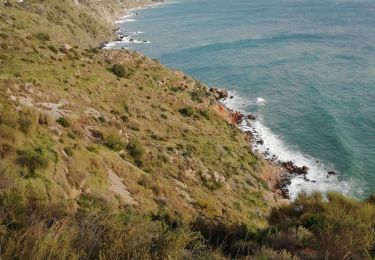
(109, 154)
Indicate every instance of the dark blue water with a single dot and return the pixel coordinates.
(313, 61)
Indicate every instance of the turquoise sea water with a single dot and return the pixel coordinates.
(312, 61)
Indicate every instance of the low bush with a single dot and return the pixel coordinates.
(4, 46)
(27, 120)
(64, 122)
(68, 151)
(133, 125)
(187, 111)
(113, 140)
(205, 113)
(43, 37)
(53, 49)
(136, 150)
(32, 159)
(120, 70)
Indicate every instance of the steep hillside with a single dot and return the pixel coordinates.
(108, 154)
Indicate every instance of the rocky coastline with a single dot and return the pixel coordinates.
(286, 170)
(121, 35)
(289, 170)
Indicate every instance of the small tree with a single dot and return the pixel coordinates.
(120, 70)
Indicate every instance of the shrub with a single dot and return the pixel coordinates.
(43, 37)
(136, 150)
(175, 89)
(146, 181)
(27, 120)
(120, 70)
(186, 111)
(64, 122)
(68, 151)
(205, 113)
(32, 159)
(133, 125)
(113, 140)
(270, 254)
(4, 35)
(371, 199)
(198, 96)
(53, 49)
(4, 46)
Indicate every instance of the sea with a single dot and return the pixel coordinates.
(305, 68)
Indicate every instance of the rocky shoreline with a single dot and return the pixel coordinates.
(289, 169)
(121, 35)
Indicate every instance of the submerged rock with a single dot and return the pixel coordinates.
(333, 172)
(251, 117)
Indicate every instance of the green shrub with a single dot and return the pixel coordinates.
(120, 70)
(133, 125)
(68, 151)
(53, 49)
(175, 89)
(113, 140)
(32, 159)
(205, 113)
(187, 111)
(371, 199)
(4, 35)
(27, 120)
(43, 37)
(271, 254)
(4, 46)
(136, 150)
(64, 122)
(146, 181)
(198, 95)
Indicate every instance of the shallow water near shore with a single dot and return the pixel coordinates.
(305, 68)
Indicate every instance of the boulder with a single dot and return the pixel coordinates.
(333, 172)
(219, 93)
(292, 168)
(236, 117)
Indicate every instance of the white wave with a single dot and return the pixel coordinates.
(125, 20)
(128, 14)
(134, 33)
(131, 40)
(261, 101)
(111, 45)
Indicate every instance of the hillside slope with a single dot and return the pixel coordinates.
(95, 144)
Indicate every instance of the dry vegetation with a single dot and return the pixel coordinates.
(70, 114)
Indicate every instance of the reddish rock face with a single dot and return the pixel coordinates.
(236, 117)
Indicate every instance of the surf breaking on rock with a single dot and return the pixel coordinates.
(303, 173)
